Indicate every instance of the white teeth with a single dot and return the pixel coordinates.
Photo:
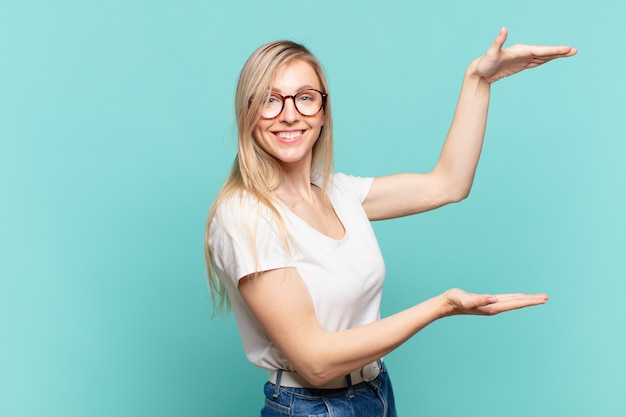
(288, 135)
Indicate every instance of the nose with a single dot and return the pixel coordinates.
(289, 114)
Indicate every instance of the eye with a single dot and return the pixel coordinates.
(304, 97)
(273, 99)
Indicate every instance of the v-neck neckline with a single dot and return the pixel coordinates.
(314, 230)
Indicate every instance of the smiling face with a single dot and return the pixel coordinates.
(290, 136)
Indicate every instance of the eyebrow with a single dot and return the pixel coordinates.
(304, 87)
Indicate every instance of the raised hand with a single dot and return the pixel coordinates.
(498, 63)
(458, 302)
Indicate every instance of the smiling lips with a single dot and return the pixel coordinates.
(289, 136)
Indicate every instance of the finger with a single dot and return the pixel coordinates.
(479, 300)
(519, 296)
(542, 51)
(501, 38)
(511, 296)
(559, 52)
(515, 303)
(486, 299)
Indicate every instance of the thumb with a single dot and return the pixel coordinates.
(490, 299)
(498, 43)
(481, 300)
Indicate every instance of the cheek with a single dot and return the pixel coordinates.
(321, 121)
(259, 136)
(317, 122)
(258, 131)
(257, 139)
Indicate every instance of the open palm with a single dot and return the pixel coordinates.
(464, 303)
(498, 63)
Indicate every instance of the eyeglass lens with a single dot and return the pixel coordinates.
(307, 102)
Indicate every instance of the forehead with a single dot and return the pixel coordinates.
(295, 75)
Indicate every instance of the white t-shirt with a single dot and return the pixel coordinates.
(344, 277)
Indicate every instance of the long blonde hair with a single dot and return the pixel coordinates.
(254, 170)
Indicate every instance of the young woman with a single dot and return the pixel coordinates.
(289, 243)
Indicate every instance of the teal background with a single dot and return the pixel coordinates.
(117, 130)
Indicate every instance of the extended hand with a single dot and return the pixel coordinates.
(498, 63)
(457, 301)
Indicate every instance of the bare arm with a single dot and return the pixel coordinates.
(281, 302)
(451, 179)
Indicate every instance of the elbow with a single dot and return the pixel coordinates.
(452, 188)
(458, 194)
(316, 381)
(318, 375)
(318, 372)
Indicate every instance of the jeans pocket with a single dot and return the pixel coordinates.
(274, 409)
(309, 407)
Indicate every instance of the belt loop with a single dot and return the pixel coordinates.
(350, 386)
(279, 374)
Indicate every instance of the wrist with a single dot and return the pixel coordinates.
(443, 306)
(471, 73)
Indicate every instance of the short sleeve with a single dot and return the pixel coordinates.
(358, 187)
(245, 237)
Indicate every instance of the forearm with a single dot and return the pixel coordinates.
(281, 302)
(334, 354)
(463, 144)
(451, 179)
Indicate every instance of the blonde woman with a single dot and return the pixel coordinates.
(289, 243)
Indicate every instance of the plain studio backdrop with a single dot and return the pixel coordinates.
(117, 130)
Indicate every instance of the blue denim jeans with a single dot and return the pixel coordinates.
(367, 399)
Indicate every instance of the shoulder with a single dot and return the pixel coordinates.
(353, 185)
(240, 202)
(241, 212)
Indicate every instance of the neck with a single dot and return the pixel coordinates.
(296, 182)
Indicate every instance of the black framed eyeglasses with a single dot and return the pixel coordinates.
(308, 103)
